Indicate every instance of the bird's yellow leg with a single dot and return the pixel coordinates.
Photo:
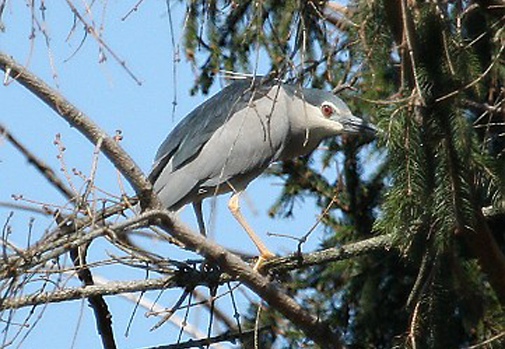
(234, 207)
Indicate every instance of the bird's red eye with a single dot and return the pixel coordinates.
(327, 110)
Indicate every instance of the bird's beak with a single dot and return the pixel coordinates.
(355, 125)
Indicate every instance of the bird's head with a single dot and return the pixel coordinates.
(335, 115)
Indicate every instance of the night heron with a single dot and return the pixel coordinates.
(230, 139)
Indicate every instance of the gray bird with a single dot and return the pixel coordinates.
(231, 138)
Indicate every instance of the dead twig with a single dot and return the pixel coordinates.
(40, 165)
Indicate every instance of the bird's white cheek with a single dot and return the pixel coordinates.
(334, 127)
(338, 127)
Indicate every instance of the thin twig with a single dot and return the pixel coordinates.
(477, 80)
(91, 30)
(410, 47)
(40, 254)
(113, 151)
(40, 165)
(488, 341)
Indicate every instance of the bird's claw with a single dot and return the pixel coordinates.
(261, 259)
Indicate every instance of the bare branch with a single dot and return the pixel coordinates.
(408, 39)
(76, 118)
(97, 303)
(24, 207)
(201, 343)
(43, 253)
(179, 278)
(68, 294)
(313, 327)
(40, 165)
(297, 261)
(103, 45)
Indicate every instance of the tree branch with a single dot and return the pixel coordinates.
(314, 328)
(206, 342)
(483, 246)
(102, 315)
(15, 265)
(40, 165)
(297, 261)
(76, 118)
(78, 255)
(74, 293)
(180, 278)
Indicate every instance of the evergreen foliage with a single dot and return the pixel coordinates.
(431, 75)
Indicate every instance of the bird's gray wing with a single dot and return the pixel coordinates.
(190, 135)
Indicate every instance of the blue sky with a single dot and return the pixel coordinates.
(106, 93)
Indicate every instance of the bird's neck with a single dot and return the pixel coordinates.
(302, 143)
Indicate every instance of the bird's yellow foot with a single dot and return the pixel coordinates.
(262, 258)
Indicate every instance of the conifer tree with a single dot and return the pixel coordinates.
(431, 74)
